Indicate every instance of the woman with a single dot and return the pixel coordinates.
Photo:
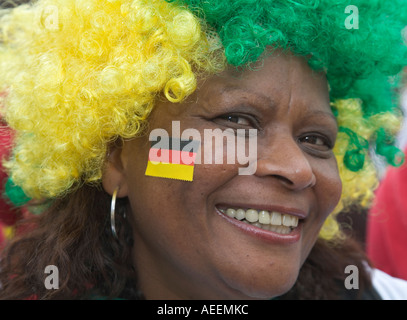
(116, 106)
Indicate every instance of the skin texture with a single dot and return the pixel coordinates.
(184, 247)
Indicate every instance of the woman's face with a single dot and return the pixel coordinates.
(186, 246)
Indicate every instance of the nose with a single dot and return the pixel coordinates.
(286, 162)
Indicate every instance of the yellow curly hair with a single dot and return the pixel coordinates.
(77, 86)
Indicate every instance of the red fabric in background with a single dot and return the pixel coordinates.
(386, 241)
(8, 215)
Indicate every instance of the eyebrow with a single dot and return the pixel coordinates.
(271, 103)
(265, 100)
(325, 114)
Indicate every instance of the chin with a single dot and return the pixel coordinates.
(265, 288)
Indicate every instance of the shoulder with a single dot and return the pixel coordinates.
(388, 287)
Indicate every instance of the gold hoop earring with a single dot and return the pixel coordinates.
(113, 213)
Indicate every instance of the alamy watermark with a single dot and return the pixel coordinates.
(49, 18)
(217, 146)
(352, 280)
(352, 21)
(51, 282)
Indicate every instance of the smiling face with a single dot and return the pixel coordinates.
(189, 244)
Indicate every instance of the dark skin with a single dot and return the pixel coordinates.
(185, 248)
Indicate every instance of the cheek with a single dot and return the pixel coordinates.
(327, 192)
(329, 186)
(174, 207)
(178, 199)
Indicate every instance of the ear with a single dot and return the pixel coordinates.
(114, 173)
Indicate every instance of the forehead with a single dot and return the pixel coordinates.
(277, 79)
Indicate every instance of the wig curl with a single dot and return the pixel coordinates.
(87, 75)
(94, 73)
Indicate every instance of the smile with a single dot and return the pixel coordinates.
(271, 221)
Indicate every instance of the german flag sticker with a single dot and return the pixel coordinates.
(172, 158)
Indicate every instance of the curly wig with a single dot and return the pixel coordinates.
(81, 73)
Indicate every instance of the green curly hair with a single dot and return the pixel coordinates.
(358, 62)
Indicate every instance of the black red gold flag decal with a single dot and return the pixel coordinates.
(172, 158)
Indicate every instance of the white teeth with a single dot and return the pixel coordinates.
(252, 215)
(264, 217)
(275, 218)
(273, 221)
(231, 213)
(290, 221)
(280, 229)
(240, 214)
(286, 220)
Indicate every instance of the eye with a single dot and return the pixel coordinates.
(241, 124)
(238, 119)
(313, 140)
(316, 141)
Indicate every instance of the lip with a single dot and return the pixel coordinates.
(265, 235)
